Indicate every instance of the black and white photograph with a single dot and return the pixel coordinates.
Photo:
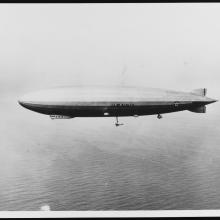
(109, 107)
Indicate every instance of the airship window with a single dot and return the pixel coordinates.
(176, 104)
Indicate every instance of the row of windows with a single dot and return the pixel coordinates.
(122, 105)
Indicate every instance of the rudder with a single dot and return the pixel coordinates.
(201, 92)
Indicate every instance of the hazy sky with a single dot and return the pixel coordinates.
(175, 46)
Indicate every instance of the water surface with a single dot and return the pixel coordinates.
(89, 164)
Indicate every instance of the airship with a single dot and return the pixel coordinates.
(113, 101)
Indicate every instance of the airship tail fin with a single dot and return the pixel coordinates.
(201, 109)
(201, 92)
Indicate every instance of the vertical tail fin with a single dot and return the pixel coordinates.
(201, 92)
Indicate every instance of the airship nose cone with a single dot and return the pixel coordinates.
(28, 102)
(20, 102)
(24, 101)
(23, 104)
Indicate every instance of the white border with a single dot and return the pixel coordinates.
(68, 214)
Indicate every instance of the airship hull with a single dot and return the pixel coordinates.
(109, 102)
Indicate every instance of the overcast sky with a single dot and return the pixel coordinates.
(173, 46)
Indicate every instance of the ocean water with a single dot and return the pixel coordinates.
(89, 164)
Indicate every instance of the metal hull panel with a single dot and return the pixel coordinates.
(68, 95)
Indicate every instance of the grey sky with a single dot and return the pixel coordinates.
(172, 46)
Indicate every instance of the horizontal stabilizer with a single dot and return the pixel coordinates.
(201, 109)
(201, 92)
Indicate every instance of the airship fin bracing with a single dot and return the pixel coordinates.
(105, 101)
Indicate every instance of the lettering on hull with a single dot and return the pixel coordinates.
(122, 105)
